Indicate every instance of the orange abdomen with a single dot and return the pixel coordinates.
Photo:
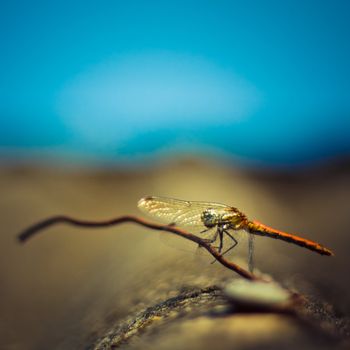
(260, 229)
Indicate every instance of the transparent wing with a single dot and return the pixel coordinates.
(188, 213)
(179, 212)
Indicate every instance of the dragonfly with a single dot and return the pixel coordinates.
(221, 220)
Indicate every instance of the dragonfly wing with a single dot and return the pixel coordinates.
(188, 213)
(251, 252)
(179, 212)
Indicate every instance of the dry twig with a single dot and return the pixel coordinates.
(36, 228)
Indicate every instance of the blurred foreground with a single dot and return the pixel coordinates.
(64, 288)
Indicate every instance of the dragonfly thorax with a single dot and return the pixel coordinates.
(231, 219)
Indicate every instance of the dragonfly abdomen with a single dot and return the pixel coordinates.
(258, 228)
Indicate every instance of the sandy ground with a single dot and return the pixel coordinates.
(64, 288)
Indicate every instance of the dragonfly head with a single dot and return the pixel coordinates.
(209, 218)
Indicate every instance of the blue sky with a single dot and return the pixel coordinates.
(267, 81)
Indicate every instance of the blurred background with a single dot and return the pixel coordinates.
(245, 103)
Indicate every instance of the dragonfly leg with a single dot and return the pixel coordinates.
(213, 239)
(221, 242)
(221, 235)
(218, 232)
(232, 246)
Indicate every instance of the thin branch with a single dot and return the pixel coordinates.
(36, 228)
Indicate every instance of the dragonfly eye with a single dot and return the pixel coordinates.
(209, 218)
